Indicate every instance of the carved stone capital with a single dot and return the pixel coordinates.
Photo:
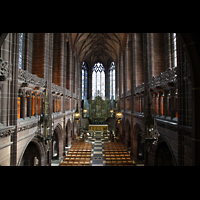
(4, 70)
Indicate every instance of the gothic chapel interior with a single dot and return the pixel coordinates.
(99, 99)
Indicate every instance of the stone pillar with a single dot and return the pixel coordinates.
(4, 103)
(172, 103)
(165, 107)
(34, 103)
(22, 103)
(29, 103)
(161, 96)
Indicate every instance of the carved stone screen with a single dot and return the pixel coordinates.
(98, 110)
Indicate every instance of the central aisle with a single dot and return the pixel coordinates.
(97, 156)
(97, 151)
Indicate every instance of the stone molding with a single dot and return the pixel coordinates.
(162, 80)
(27, 126)
(26, 77)
(6, 131)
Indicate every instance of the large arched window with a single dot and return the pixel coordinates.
(20, 50)
(175, 49)
(112, 81)
(98, 81)
(84, 81)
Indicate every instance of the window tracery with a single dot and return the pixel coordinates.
(112, 81)
(98, 81)
(84, 80)
(175, 49)
(20, 50)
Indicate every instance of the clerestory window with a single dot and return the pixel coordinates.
(98, 81)
(112, 81)
(84, 81)
(175, 49)
(20, 50)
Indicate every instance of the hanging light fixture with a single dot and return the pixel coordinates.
(45, 120)
(85, 109)
(111, 109)
(118, 114)
(77, 114)
(151, 134)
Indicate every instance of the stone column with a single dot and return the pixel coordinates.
(35, 102)
(165, 107)
(22, 103)
(4, 103)
(29, 103)
(172, 103)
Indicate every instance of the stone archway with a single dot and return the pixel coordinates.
(163, 155)
(31, 156)
(137, 147)
(57, 143)
(34, 154)
(68, 133)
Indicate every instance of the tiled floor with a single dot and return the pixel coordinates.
(97, 156)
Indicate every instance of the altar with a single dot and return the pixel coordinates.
(98, 127)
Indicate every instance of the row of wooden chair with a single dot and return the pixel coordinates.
(76, 144)
(120, 163)
(78, 155)
(85, 155)
(117, 155)
(113, 146)
(76, 163)
(78, 151)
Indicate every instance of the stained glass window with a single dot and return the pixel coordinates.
(84, 80)
(112, 81)
(98, 81)
(175, 50)
(20, 50)
(86, 83)
(83, 84)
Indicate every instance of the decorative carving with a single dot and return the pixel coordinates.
(128, 93)
(6, 131)
(139, 88)
(164, 78)
(4, 70)
(21, 92)
(27, 78)
(98, 108)
(29, 126)
(56, 89)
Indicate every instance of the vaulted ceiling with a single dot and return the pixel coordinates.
(98, 47)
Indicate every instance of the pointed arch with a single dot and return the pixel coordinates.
(57, 137)
(137, 149)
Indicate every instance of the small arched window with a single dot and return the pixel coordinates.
(84, 81)
(20, 50)
(112, 81)
(175, 49)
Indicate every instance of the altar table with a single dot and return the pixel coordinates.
(100, 127)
